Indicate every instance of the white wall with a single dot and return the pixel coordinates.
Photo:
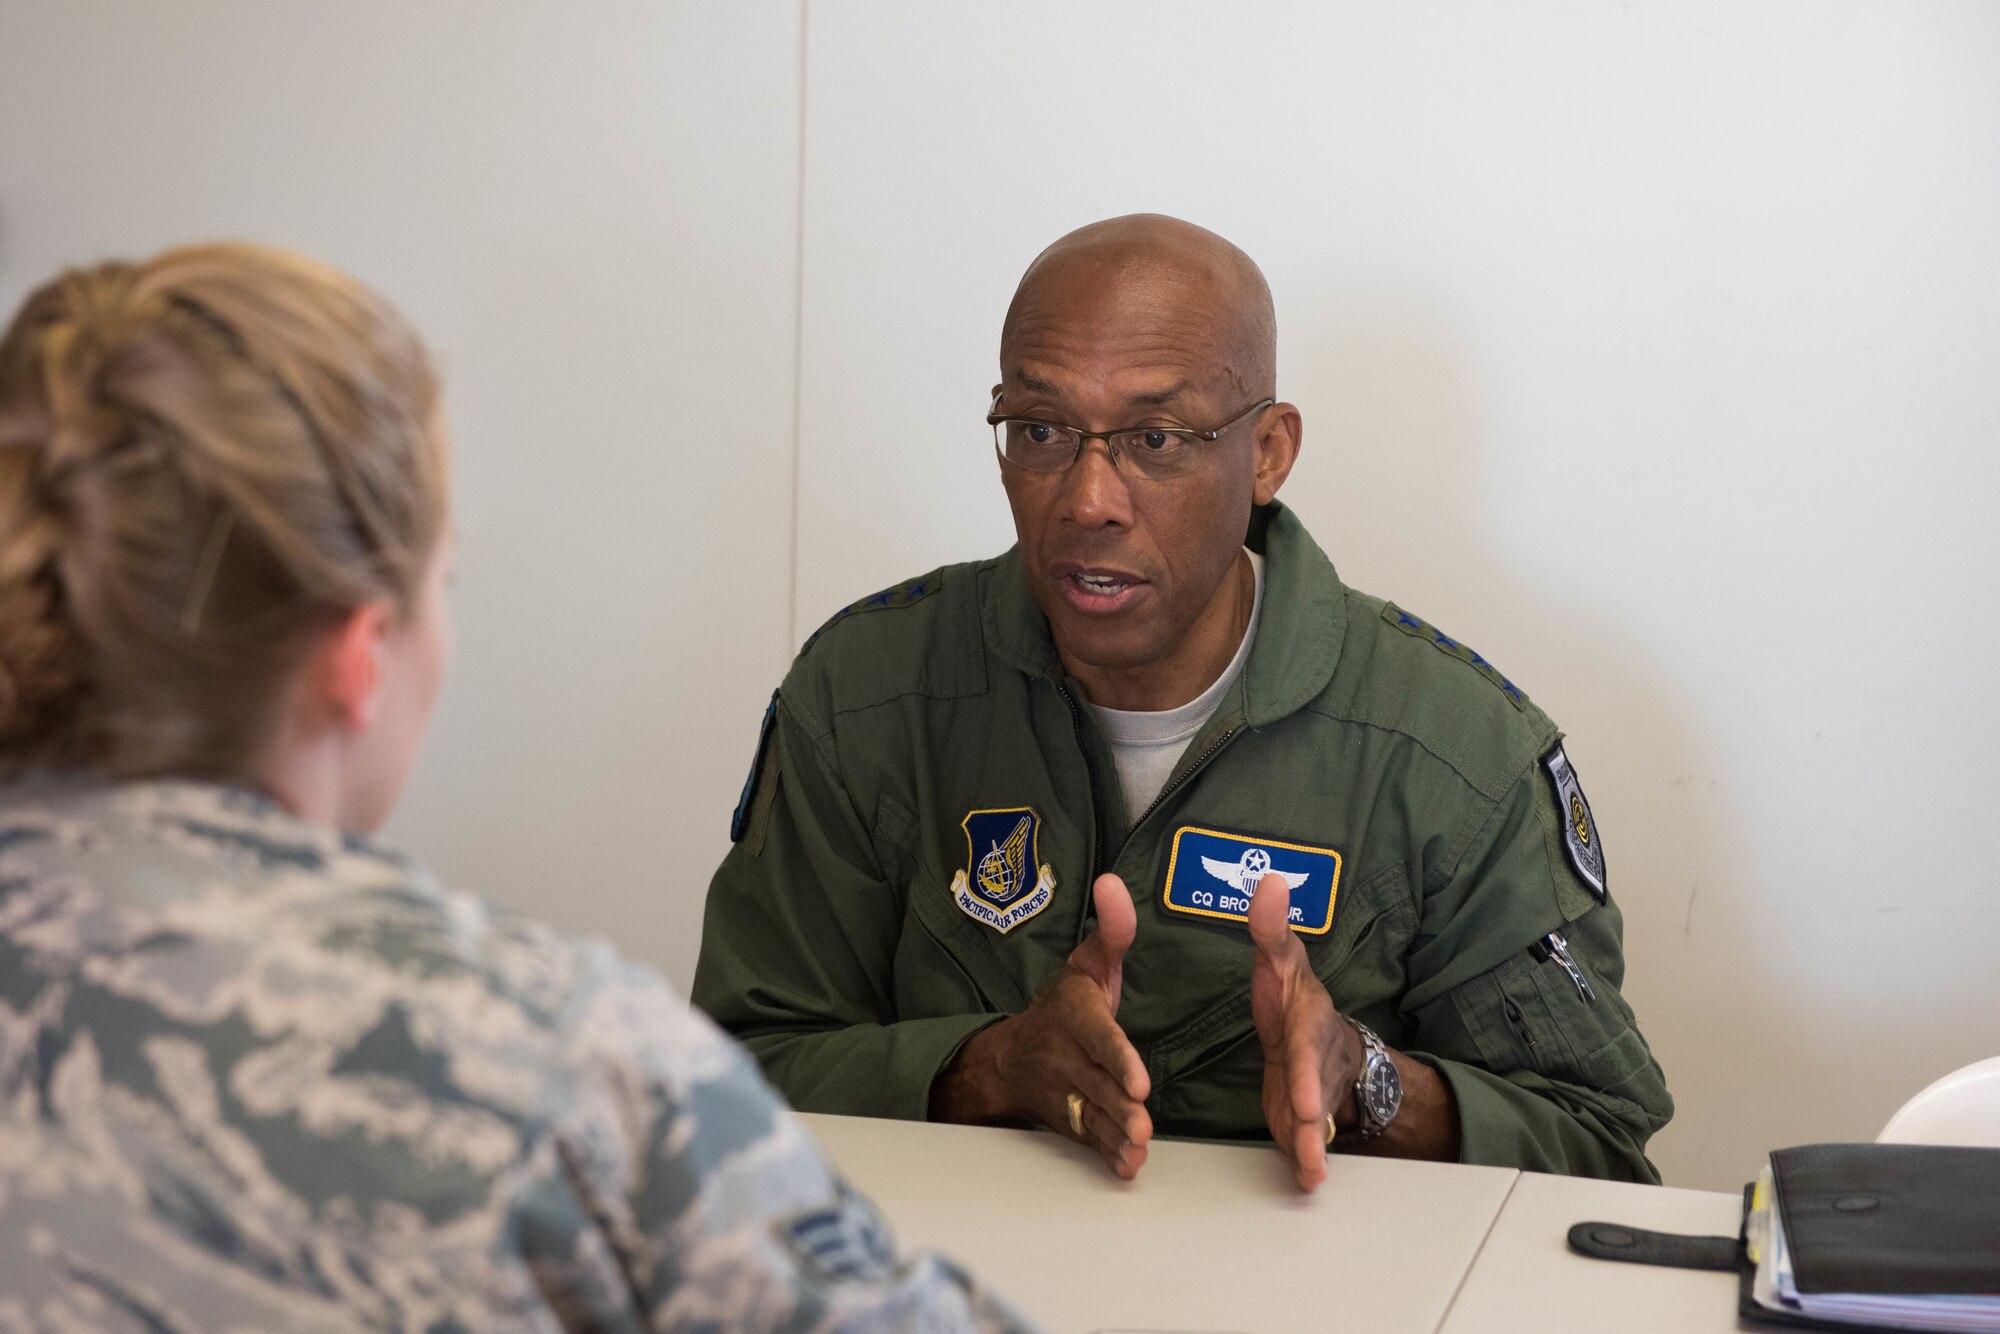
(1654, 350)
(1650, 348)
(595, 223)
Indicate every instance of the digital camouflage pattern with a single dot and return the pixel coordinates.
(258, 1075)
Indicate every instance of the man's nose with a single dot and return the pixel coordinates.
(1096, 492)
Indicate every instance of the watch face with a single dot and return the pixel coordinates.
(1382, 1091)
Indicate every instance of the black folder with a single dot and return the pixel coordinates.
(1866, 1219)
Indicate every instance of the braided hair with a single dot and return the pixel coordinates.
(205, 459)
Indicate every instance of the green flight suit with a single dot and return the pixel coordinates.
(835, 948)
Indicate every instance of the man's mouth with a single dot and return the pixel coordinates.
(1098, 590)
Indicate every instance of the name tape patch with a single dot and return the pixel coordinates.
(1211, 873)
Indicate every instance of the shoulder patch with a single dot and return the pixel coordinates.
(1580, 840)
(739, 821)
(1417, 627)
(901, 595)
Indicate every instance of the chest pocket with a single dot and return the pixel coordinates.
(988, 971)
(1360, 962)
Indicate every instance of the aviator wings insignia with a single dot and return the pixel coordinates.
(1243, 875)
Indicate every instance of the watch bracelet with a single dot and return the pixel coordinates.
(1366, 1126)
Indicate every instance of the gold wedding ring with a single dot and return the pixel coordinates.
(1329, 1130)
(1076, 1115)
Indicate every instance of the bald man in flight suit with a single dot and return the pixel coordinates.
(1151, 824)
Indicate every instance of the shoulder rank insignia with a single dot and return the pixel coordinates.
(848, 1242)
(1211, 873)
(1418, 628)
(1004, 882)
(901, 595)
(1586, 850)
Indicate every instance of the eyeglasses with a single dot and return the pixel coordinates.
(1157, 452)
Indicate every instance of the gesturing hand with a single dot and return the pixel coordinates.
(1310, 1054)
(1025, 1067)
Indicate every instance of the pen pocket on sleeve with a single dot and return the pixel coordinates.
(1527, 1015)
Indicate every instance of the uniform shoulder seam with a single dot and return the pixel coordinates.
(1502, 741)
(1319, 707)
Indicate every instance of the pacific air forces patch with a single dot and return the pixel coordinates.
(1211, 873)
(1004, 882)
(1586, 850)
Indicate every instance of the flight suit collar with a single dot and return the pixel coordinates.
(1299, 633)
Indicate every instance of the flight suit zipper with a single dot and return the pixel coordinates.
(1097, 839)
(1518, 1022)
(1174, 784)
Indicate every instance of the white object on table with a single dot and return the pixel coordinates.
(1527, 1278)
(1209, 1238)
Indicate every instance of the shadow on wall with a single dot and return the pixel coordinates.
(1390, 483)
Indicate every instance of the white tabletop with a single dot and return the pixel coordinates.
(1527, 1278)
(1209, 1238)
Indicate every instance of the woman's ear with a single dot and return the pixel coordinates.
(352, 666)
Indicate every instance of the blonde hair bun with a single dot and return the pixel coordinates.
(205, 458)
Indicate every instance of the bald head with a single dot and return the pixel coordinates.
(1131, 336)
(1185, 276)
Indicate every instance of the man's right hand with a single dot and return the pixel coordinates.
(1067, 1041)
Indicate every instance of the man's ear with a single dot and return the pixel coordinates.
(351, 665)
(1276, 449)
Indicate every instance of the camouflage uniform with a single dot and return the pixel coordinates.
(261, 1076)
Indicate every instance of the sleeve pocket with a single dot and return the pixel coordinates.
(1528, 1015)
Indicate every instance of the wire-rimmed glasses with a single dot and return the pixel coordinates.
(1157, 452)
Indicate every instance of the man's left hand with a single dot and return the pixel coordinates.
(1311, 1055)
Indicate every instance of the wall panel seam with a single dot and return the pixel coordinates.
(798, 340)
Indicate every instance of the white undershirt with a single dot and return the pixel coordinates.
(1147, 745)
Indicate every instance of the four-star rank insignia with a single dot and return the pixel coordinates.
(1004, 882)
(1585, 848)
(1211, 873)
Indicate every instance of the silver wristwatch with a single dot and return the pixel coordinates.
(1378, 1090)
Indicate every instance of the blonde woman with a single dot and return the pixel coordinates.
(257, 1070)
